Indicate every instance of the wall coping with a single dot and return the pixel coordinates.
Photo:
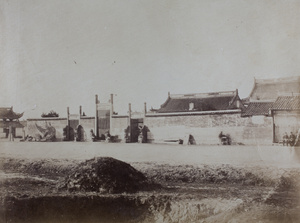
(195, 113)
(86, 117)
(204, 95)
(56, 119)
(45, 119)
(120, 116)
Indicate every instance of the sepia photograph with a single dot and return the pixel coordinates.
(150, 111)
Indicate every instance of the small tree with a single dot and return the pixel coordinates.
(50, 114)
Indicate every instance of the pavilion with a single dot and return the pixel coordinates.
(9, 121)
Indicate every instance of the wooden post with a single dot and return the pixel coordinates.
(80, 113)
(112, 103)
(111, 112)
(68, 124)
(23, 130)
(273, 126)
(10, 134)
(96, 116)
(145, 109)
(129, 121)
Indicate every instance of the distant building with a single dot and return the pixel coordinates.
(277, 98)
(265, 92)
(214, 101)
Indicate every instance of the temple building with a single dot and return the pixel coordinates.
(215, 101)
(9, 123)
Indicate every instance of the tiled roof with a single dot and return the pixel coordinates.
(287, 103)
(201, 102)
(270, 89)
(257, 108)
(8, 113)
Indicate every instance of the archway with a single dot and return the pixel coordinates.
(80, 134)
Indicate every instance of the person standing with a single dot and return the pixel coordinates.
(292, 139)
(297, 138)
(285, 140)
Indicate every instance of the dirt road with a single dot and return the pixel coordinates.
(171, 154)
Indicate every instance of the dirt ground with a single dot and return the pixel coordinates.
(31, 176)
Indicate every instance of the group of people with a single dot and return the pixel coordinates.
(289, 140)
(225, 139)
(107, 137)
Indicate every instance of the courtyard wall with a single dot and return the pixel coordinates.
(34, 126)
(58, 123)
(205, 127)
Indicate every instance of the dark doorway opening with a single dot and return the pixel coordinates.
(135, 130)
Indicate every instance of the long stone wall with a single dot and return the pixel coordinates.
(205, 128)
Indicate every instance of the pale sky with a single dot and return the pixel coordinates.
(55, 54)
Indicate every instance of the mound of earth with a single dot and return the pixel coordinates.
(106, 175)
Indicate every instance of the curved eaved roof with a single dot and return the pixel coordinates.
(8, 113)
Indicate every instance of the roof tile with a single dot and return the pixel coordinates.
(257, 108)
(287, 103)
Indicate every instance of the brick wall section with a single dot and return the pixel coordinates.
(286, 121)
(206, 128)
(58, 123)
(119, 124)
(19, 132)
(88, 123)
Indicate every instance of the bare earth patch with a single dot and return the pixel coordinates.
(33, 191)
